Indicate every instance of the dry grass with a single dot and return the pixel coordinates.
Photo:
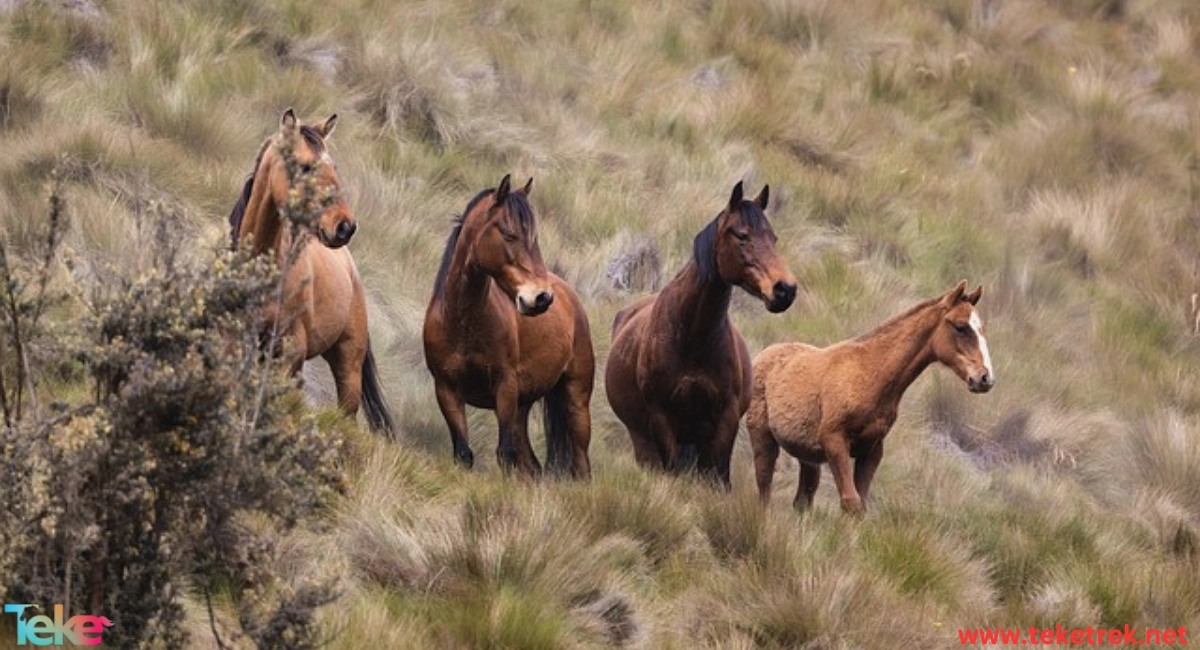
(1044, 149)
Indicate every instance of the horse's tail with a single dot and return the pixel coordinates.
(376, 409)
(560, 449)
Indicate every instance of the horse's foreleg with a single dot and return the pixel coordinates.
(717, 452)
(645, 450)
(838, 454)
(512, 417)
(345, 362)
(295, 349)
(864, 470)
(527, 460)
(664, 439)
(454, 410)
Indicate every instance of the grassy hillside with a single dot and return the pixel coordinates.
(1047, 149)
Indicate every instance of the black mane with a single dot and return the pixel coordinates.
(516, 203)
(239, 211)
(704, 246)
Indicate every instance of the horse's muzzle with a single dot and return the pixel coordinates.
(345, 230)
(540, 303)
(782, 296)
(981, 384)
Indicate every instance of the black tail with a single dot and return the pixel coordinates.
(376, 409)
(560, 449)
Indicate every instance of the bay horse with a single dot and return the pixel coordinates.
(324, 308)
(679, 373)
(837, 403)
(502, 332)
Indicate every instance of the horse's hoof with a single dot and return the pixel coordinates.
(507, 458)
(465, 457)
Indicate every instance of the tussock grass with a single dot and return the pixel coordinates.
(1046, 150)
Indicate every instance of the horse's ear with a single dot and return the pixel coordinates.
(735, 199)
(528, 187)
(287, 121)
(504, 189)
(974, 296)
(326, 128)
(763, 198)
(955, 295)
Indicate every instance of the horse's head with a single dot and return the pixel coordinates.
(335, 225)
(745, 254)
(958, 341)
(505, 247)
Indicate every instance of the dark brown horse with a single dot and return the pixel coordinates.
(679, 372)
(502, 332)
(837, 403)
(324, 308)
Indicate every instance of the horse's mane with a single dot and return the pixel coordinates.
(894, 321)
(314, 141)
(704, 246)
(517, 203)
(239, 208)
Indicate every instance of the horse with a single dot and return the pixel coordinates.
(836, 403)
(324, 309)
(502, 332)
(678, 374)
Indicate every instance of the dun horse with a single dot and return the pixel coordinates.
(837, 403)
(679, 373)
(502, 332)
(324, 309)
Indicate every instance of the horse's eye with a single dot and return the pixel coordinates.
(306, 169)
(741, 235)
(962, 328)
(508, 235)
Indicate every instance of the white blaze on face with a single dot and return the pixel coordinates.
(977, 325)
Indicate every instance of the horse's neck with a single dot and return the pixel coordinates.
(465, 296)
(697, 310)
(900, 351)
(262, 219)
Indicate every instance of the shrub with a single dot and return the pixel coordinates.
(187, 458)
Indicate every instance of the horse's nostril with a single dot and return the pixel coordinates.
(784, 290)
(543, 300)
(345, 229)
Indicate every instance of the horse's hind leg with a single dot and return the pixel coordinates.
(806, 489)
(454, 410)
(766, 453)
(838, 454)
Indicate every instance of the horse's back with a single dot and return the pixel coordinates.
(627, 314)
(782, 354)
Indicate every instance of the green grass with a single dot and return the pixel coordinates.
(1043, 149)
